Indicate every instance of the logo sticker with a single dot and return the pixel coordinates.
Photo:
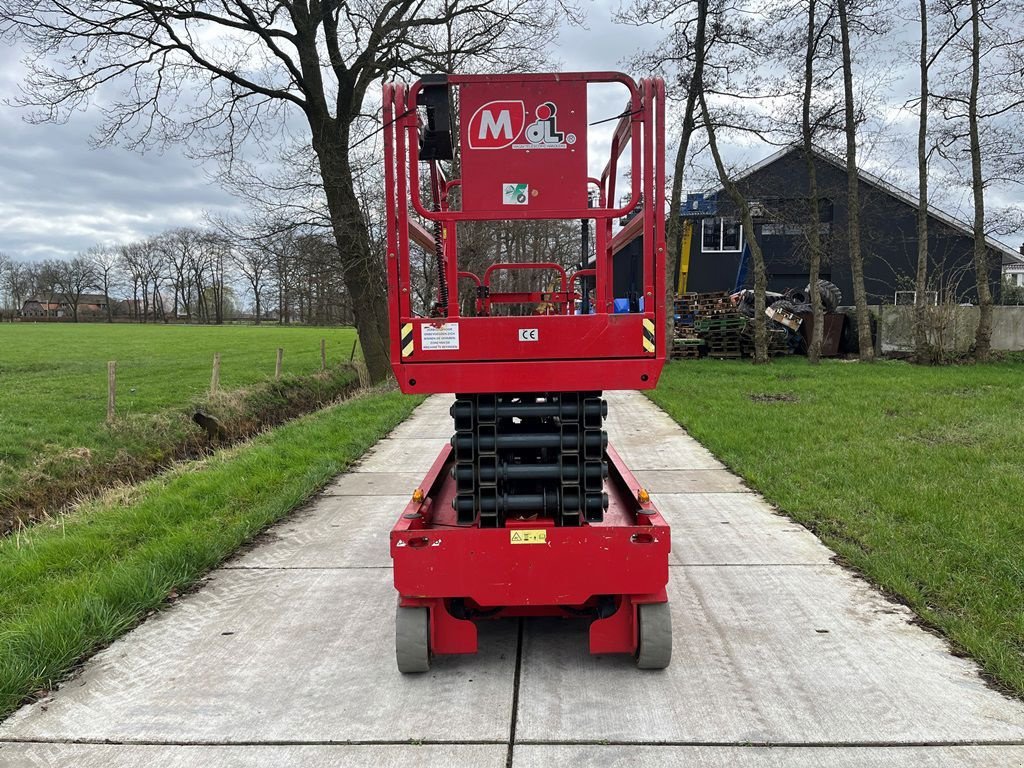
(496, 125)
(543, 133)
(529, 334)
(513, 193)
(502, 124)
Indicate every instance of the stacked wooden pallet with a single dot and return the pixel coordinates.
(712, 304)
(685, 308)
(687, 343)
(778, 341)
(723, 333)
(708, 323)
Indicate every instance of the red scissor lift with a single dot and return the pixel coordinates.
(529, 511)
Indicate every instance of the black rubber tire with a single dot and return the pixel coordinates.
(831, 296)
(655, 629)
(746, 305)
(783, 304)
(412, 640)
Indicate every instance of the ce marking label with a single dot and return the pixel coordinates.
(529, 334)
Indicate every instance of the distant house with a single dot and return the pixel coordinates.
(777, 188)
(59, 305)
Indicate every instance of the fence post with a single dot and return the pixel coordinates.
(323, 354)
(215, 378)
(111, 391)
(277, 367)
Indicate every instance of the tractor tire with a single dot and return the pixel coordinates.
(831, 296)
(412, 640)
(746, 305)
(655, 647)
(785, 304)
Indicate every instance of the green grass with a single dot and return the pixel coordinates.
(54, 443)
(71, 586)
(54, 375)
(913, 475)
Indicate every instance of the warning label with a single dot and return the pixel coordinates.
(440, 336)
(528, 537)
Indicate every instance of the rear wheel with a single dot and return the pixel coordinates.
(655, 647)
(412, 639)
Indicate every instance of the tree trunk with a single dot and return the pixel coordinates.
(860, 299)
(675, 224)
(813, 228)
(760, 274)
(983, 336)
(921, 351)
(360, 271)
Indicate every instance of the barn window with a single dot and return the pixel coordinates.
(721, 235)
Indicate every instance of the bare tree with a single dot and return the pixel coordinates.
(814, 33)
(983, 336)
(20, 281)
(921, 276)
(219, 259)
(865, 346)
(106, 266)
(5, 270)
(138, 262)
(747, 221)
(242, 66)
(254, 262)
(181, 250)
(981, 126)
(73, 278)
(680, 58)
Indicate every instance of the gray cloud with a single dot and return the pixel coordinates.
(58, 196)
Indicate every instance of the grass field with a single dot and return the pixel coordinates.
(71, 586)
(54, 375)
(54, 442)
(914, 475)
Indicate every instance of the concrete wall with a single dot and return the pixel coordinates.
(953, 327)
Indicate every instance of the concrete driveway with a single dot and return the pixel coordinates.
(285, 657)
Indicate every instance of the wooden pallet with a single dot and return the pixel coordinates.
(686, 352)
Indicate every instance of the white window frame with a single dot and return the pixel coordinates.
(720, 222)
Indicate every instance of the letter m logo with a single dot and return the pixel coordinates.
(496, 125)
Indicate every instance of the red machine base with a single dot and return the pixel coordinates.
(612, 573)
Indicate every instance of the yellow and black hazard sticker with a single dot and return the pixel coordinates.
(407, 337)
(648, 335)
(531, 536)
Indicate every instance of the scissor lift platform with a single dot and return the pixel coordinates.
(528, 512)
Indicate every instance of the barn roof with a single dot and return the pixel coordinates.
(1010, 256)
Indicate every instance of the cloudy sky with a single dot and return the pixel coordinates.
(59, 196)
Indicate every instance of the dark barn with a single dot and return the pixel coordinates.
(778, 186)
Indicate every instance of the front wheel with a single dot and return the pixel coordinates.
(412, 639)
(655, 625)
